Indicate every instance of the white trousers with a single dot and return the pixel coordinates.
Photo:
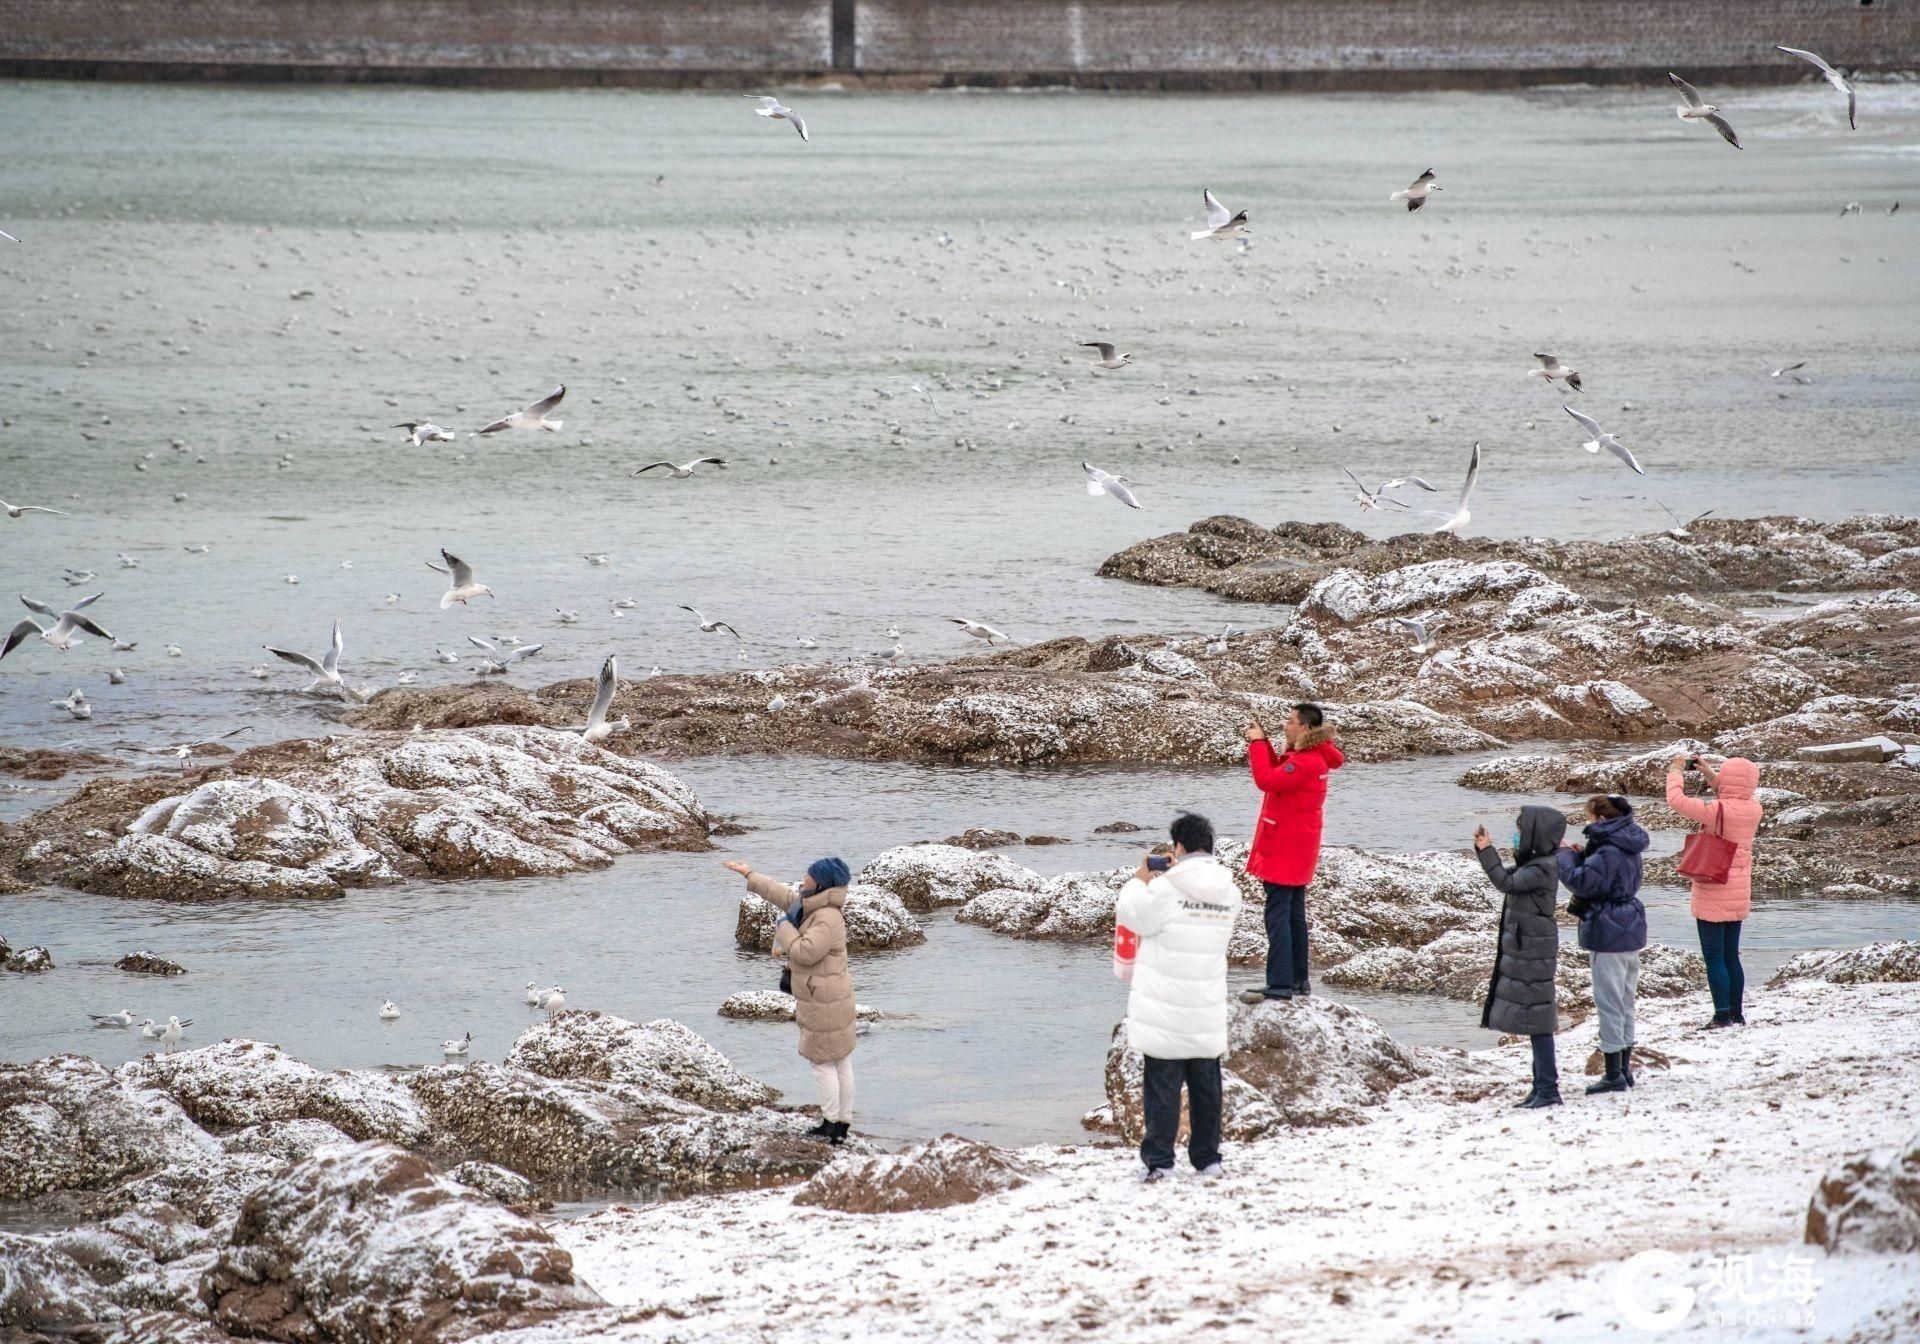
(835, 1081)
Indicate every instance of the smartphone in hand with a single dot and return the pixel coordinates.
(1159, 863)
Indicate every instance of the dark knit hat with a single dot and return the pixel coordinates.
(827, 873)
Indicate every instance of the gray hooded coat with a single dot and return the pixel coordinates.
(1520, 992)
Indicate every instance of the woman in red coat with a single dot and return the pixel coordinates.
(1286, 843)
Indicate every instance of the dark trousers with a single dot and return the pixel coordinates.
(1202, 1080)
(1546, 1069)
(1720, 949)
(1286, 938)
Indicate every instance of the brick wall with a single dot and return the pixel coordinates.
(1178, 43)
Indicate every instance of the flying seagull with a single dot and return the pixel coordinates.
(1106, 483)
(707, 627)
(1602, 439)
(1696, 110)
(1681, 531)
(978, 629)
(1551, 368)
(598, 728)
(1107, 360)
(1788, 368)
(460, 584)
(1833, 77)
(325, 669)
(499, 659)
(183, 751)
(1222, 226)
(9, 237)
(1416, 195)
(770, 107)
(533, 417)
(1462, 516)
(16, 510)
(1422, 642)
(61, 633)
(424, 431)
(1368, 500)
(683, 470)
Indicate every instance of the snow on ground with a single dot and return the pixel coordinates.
(1438, 1220)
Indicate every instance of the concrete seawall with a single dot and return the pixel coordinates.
(1196, 44)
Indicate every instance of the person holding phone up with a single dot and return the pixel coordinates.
(1286, 842)
(1720, 908)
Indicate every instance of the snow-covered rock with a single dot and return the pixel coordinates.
(937, 1174)
(1071, 905)
(147, 963)
(876, 920)
(1869, 1202)
(311, 818)
(495, 1182)
(661, 1056)
(1888, 961)
(68, 1124)
(927, 877)
(46, 1294)
(28, 960)
(287, 1140)
(241, 1082)
(366, 1244)
(770, 1005)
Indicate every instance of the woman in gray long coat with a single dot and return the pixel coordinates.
(1520, 991)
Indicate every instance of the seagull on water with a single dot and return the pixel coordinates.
(1602, 439)
(1833, 77)
(116, 677)
(75, 704)
(170, 1034)
(533, 417)
(16, 510)
(127, 561)
(771, 107)
(123, 1018)
(708, 627)
(1697, 109)
(1106, 483)
(1108, 359)
(458, 1047)
(1369, 500)
(598, 728)
(499, 659)
(1422, 642)
(1551, 369)
(424, 431)
(325, 669)
(534, 997)
(77, 577)
(977, 629)
(1681, 531)
(388, 1012)
(445, 656)
(1222, 224)
(683, 470)
(60, 634)
(1461, 515)
(1416, 195)
(460, 584)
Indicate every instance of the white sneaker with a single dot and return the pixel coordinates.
(1153, 1175)
(1212, 1173)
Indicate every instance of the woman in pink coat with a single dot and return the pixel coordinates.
(1720, 909)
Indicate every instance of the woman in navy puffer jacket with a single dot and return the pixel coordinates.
(1604, 878)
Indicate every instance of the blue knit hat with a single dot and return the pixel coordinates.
(828, 873)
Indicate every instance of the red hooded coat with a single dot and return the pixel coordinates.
(1286, 843)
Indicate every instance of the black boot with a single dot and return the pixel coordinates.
(1547, 1095)
(1720, 1019)
(1615, 1080)
(823, 1130)
(839, 1134)
(1533, 1095)
(1739, 1015)
(1626, 1065)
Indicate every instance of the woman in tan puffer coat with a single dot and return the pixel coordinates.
(812, 936)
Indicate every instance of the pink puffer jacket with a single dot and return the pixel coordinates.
(1740, 822)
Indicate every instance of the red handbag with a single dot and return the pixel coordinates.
(1707, 856)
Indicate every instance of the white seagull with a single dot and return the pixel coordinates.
(1787, 368)
(598, 728)
(708, 627)
(977, 629)
(1551, 369)
(1222, 224)
(1416, 195)
(499, 659)
(15, 510)
(460, 585)
(388, 1012)
(325, 669)
(1108, 359)
(424, 431)
(1462, 515)
(534, 997)
(1833, 77)
(1106, 483)
(1602, 439)
(771, 107)
(554, 1000)
(683, 470)
(458, 1047)
(1421, 640)
(61, 633)
(1680, 531)
(533, 417)
(1698, 110)
(183, 751)
(170, 1034)
(1368, 500)
(9, 237)
(75, 704)
(123, 1018)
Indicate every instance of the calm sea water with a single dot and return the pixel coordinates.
(240, 289)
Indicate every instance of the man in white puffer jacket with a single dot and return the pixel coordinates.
(1177, 1012)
